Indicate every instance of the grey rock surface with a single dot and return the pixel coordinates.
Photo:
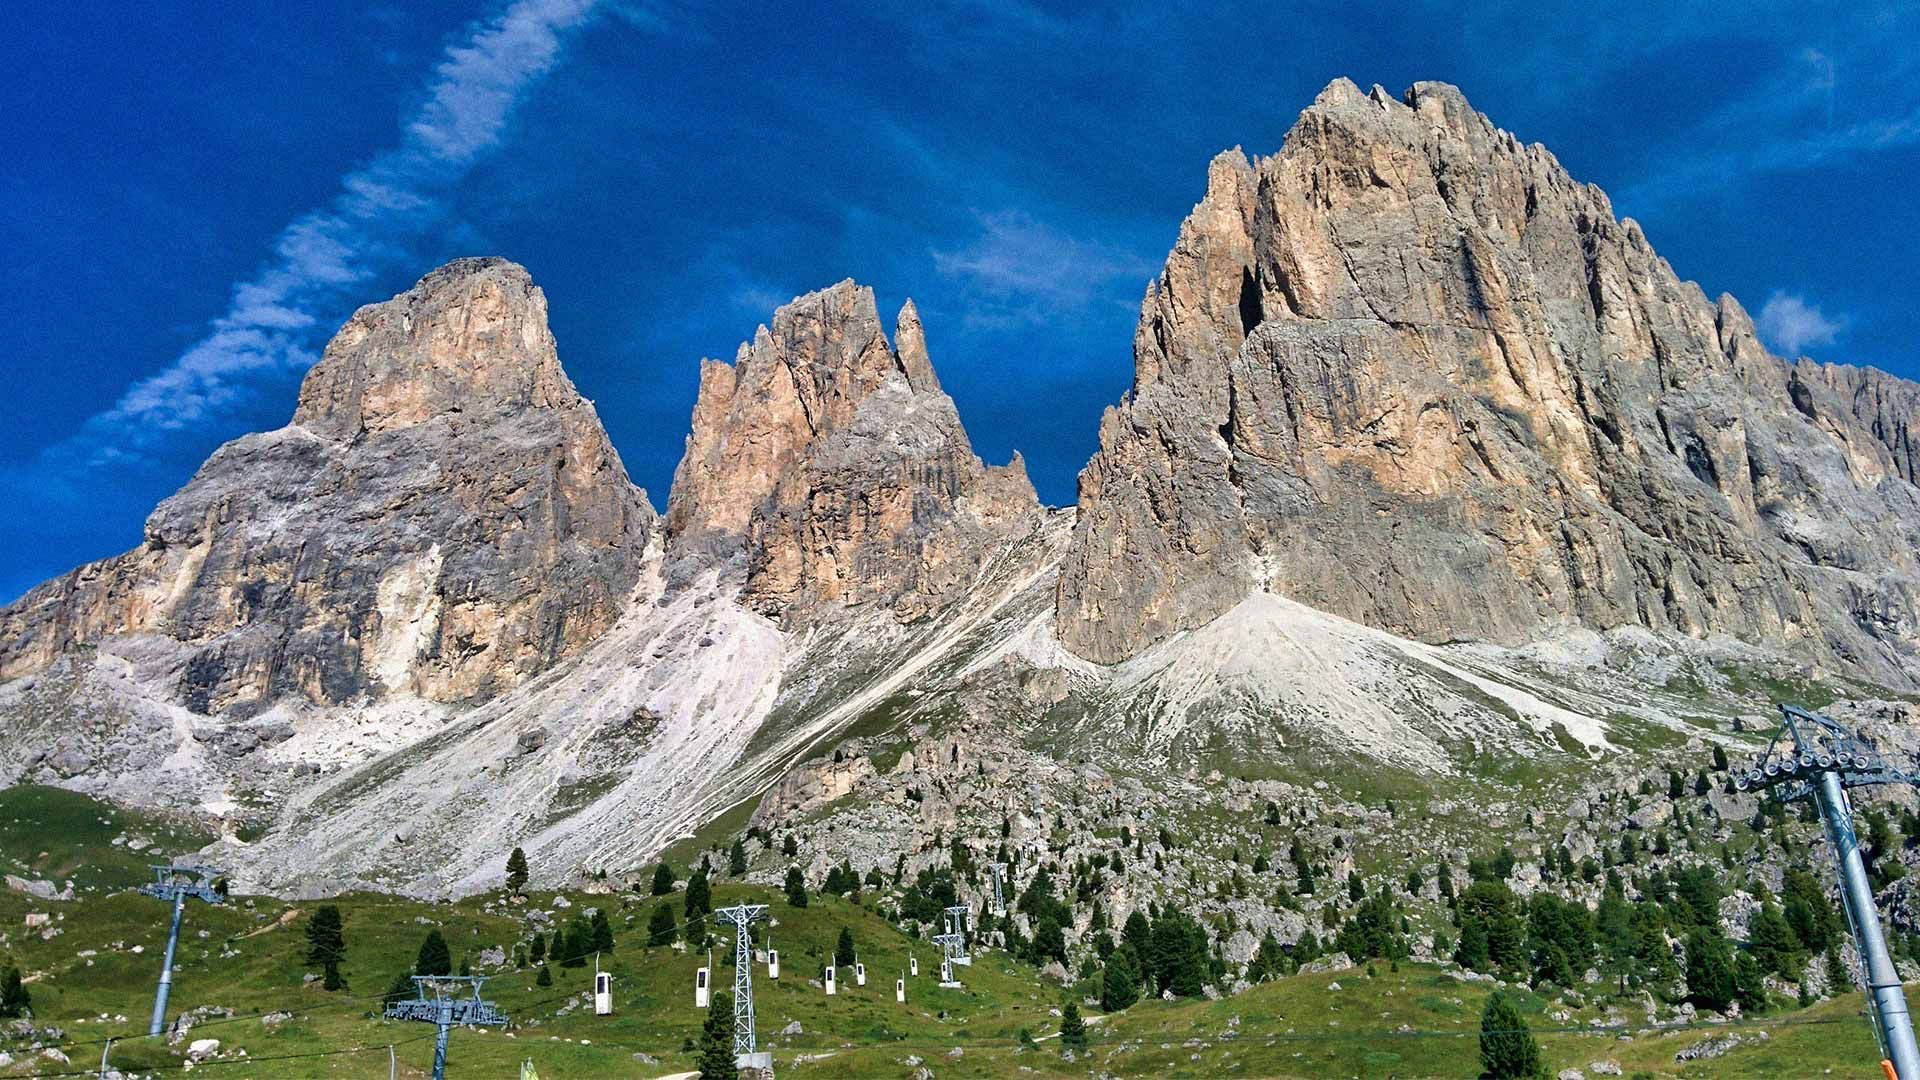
(840, 468)
(443, 517)
(1410, 372)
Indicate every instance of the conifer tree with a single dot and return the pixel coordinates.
(843, 950)
(517, 872)
(434, 958)
(1710, 981)
(737, 859)
(544, 978)
(1508, 1050)
(15, 1002)
(400, 989)
(602, 932)
(327, 945)
(663, 879)
(539, 950)
(716, 1060)
(1120, 983)
(662, 927)
(1749, 984)
(796, 887)
(699, 896)
(1073, 1030)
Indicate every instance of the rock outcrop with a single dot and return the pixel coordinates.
(836, 464)
(443, 517)
(1408, 371)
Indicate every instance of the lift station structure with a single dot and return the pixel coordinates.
(177, 882)
(445, 1010)
(746, 1053)
(1812, 757)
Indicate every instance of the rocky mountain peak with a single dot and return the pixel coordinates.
(471, 337)
(837, 464)
(1408, 371)
(444, 517)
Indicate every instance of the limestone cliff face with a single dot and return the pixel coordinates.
(444, 517)
(1410, 372)
(840, 468)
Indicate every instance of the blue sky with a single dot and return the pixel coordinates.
(192, 199)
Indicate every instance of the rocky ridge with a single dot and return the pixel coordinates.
(1432, 473)
(443, 518)
(838, 466)
(1409, 372)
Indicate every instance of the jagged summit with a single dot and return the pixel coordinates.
(1410, 372)
(444, 517)
(470, 337)
(839, 466)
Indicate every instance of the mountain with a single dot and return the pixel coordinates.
(834, 462)
(1435, 488)
(1409, 372)
(444, 517)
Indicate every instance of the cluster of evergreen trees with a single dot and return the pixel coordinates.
(1546, 940)
(15, 1002)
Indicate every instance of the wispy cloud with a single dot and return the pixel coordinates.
(272, 320)
(1788, 122)
(1029, 271)
(1789, 324)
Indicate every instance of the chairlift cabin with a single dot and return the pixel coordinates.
(831, 989)
(773, 963)
(913, 965)
(702, 993)
(900, 990)
(602, 994)
(859, 974)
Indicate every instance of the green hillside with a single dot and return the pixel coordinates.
(247, 956)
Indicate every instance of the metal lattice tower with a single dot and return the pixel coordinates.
(443, 1010)
(742, 916)
(176, 882)
(1823, 760)
(953, 942)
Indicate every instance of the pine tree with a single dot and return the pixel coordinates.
(1508, 1050)
(517, 872)
(1137, 933)
(662, 928)
(544, 978)
(1773, 944)
(539, 951)
(400, 989)
(716, 1060)
(796, 887)
(14, 1000)
(1839, 981)
(737, 859)
(699, 896)
(843, 951)
(327, 945)
(663, 879)
(1120, 983)
(1269, 960)
(1749, 984)
(602, 932)
(1710, 982)
(1073, 1030)
(575, 943)
(435, 958)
